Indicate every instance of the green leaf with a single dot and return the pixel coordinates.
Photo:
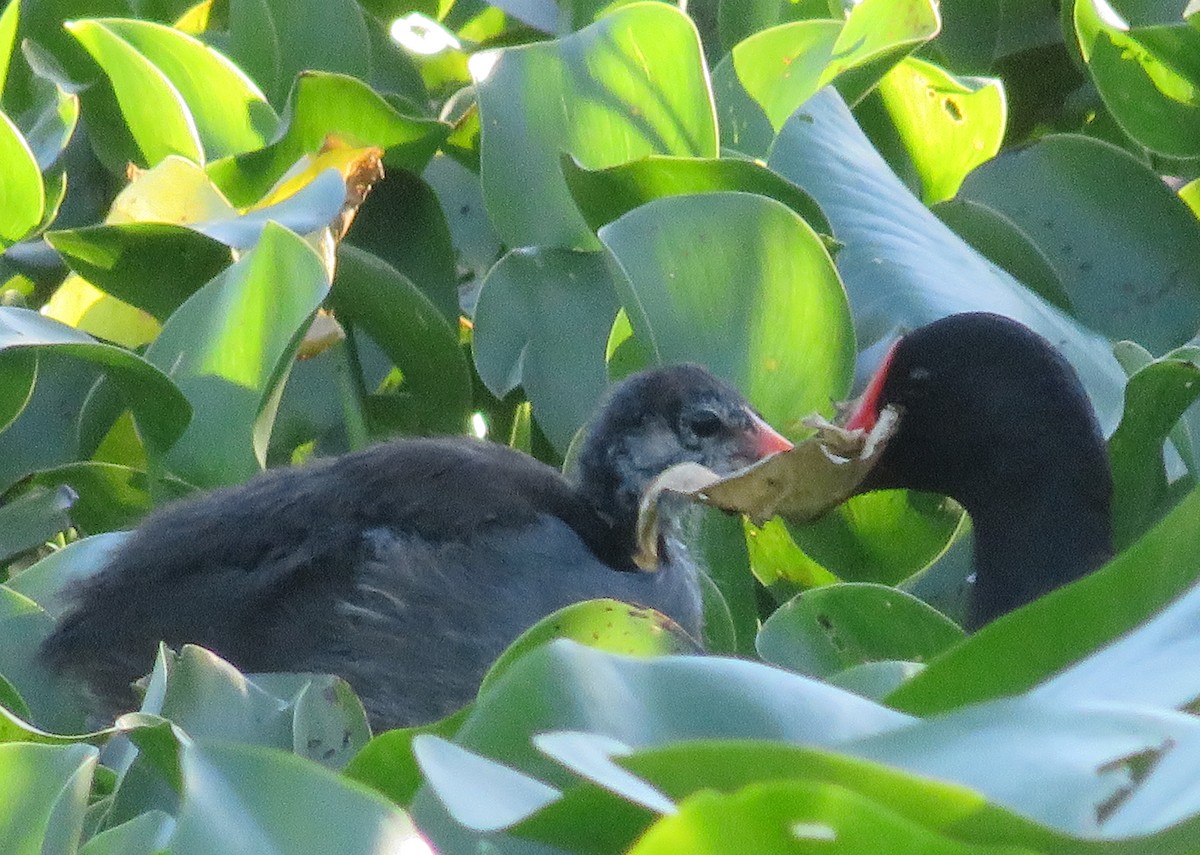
(1129, 277)
(160, 410)
(947, 125)
(630, 85)
(17, 381)
(110, 496)
(32, 518)
(603, 195)
(43, 797)
(304, 28)
(541, 323)
(23, 627)
(1148, 76)
(901, 266)
(387, 764)
(8, 38)
(436, 383)
(230, 114)
(829, 629)
(768, 76)
(322, 104)
(50, 121)
(1040, 639)
(145, 834)
(154, 266)
(322, 813)
(48, 581)
(229, 347)
(152, 108)
(793, 816)
(740, 283)
(1156, 396)
(608, 625)
(24, 195)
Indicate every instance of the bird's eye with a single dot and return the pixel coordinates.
(704, 423)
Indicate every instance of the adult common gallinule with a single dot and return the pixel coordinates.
(994, 417)
(407, 567)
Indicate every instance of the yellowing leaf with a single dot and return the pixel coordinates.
(80, 304)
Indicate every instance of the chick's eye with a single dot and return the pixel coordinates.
(704, 423)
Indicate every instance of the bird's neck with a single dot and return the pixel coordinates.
(1030, 542)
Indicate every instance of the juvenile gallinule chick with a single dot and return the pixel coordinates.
(994, 417)
(408, 567)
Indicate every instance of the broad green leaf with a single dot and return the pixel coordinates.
(792, 816)
(1003, 242)
(608, 625)
(1063, 763)
(373, 297)
(43, 797)
(902, 267)
(329, 724)
(947, 125)
(110, 496)
(152, 108)
(322, 104)
(387, 764)
(23, 627)
(603, 195)
(884, 536)
(8, 37)
(154, 266)
(1148, 76)
(230, 114)
(50, 121)
(476, 245)
(304, 28)
(631, 85)
(254, 45)
(768, 76)
(145, 834)
(160, 410)
(16, 385)
(741, 284)
(541, 323)
(731, 608)
(1156, 396)
(21, 179)
(1026, 646)
(1130, 277)
(322, 813)
(48, 581)
(228, 348)
(876, 680)
(29, 520)
(835, 627)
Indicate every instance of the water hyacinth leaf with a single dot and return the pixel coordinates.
(146, 834)
(1156, 397)
(1130, 277)
(50, 121)
(765, 78)
(254, 46)
(8, 38)
(609, 625)
(323, 812)
(47, 581)
(160, 410)
(947, 125)
(1148, 76)
(603, 195)
(319, 106)
(541, 322)
(1025, 647)
(53, 705)
(598, 95)
(829, 629)
(20, 371)
(740, 283)
(329, 724)
(902, 267)
(794, 816)
(370, 295)
(387, 763)
(303, 29)
(44, 796)
(154, 266)
(152, 108)
(309, 211)
(111, 496)
(230, 114)
(32, 518)
(24, 194)
(274, 289)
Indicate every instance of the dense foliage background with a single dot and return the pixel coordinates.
(572, 191)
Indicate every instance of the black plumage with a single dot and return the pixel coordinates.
(407, 567)
(994, 417)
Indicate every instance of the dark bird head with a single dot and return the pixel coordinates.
(992, 415)
(658, 418)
